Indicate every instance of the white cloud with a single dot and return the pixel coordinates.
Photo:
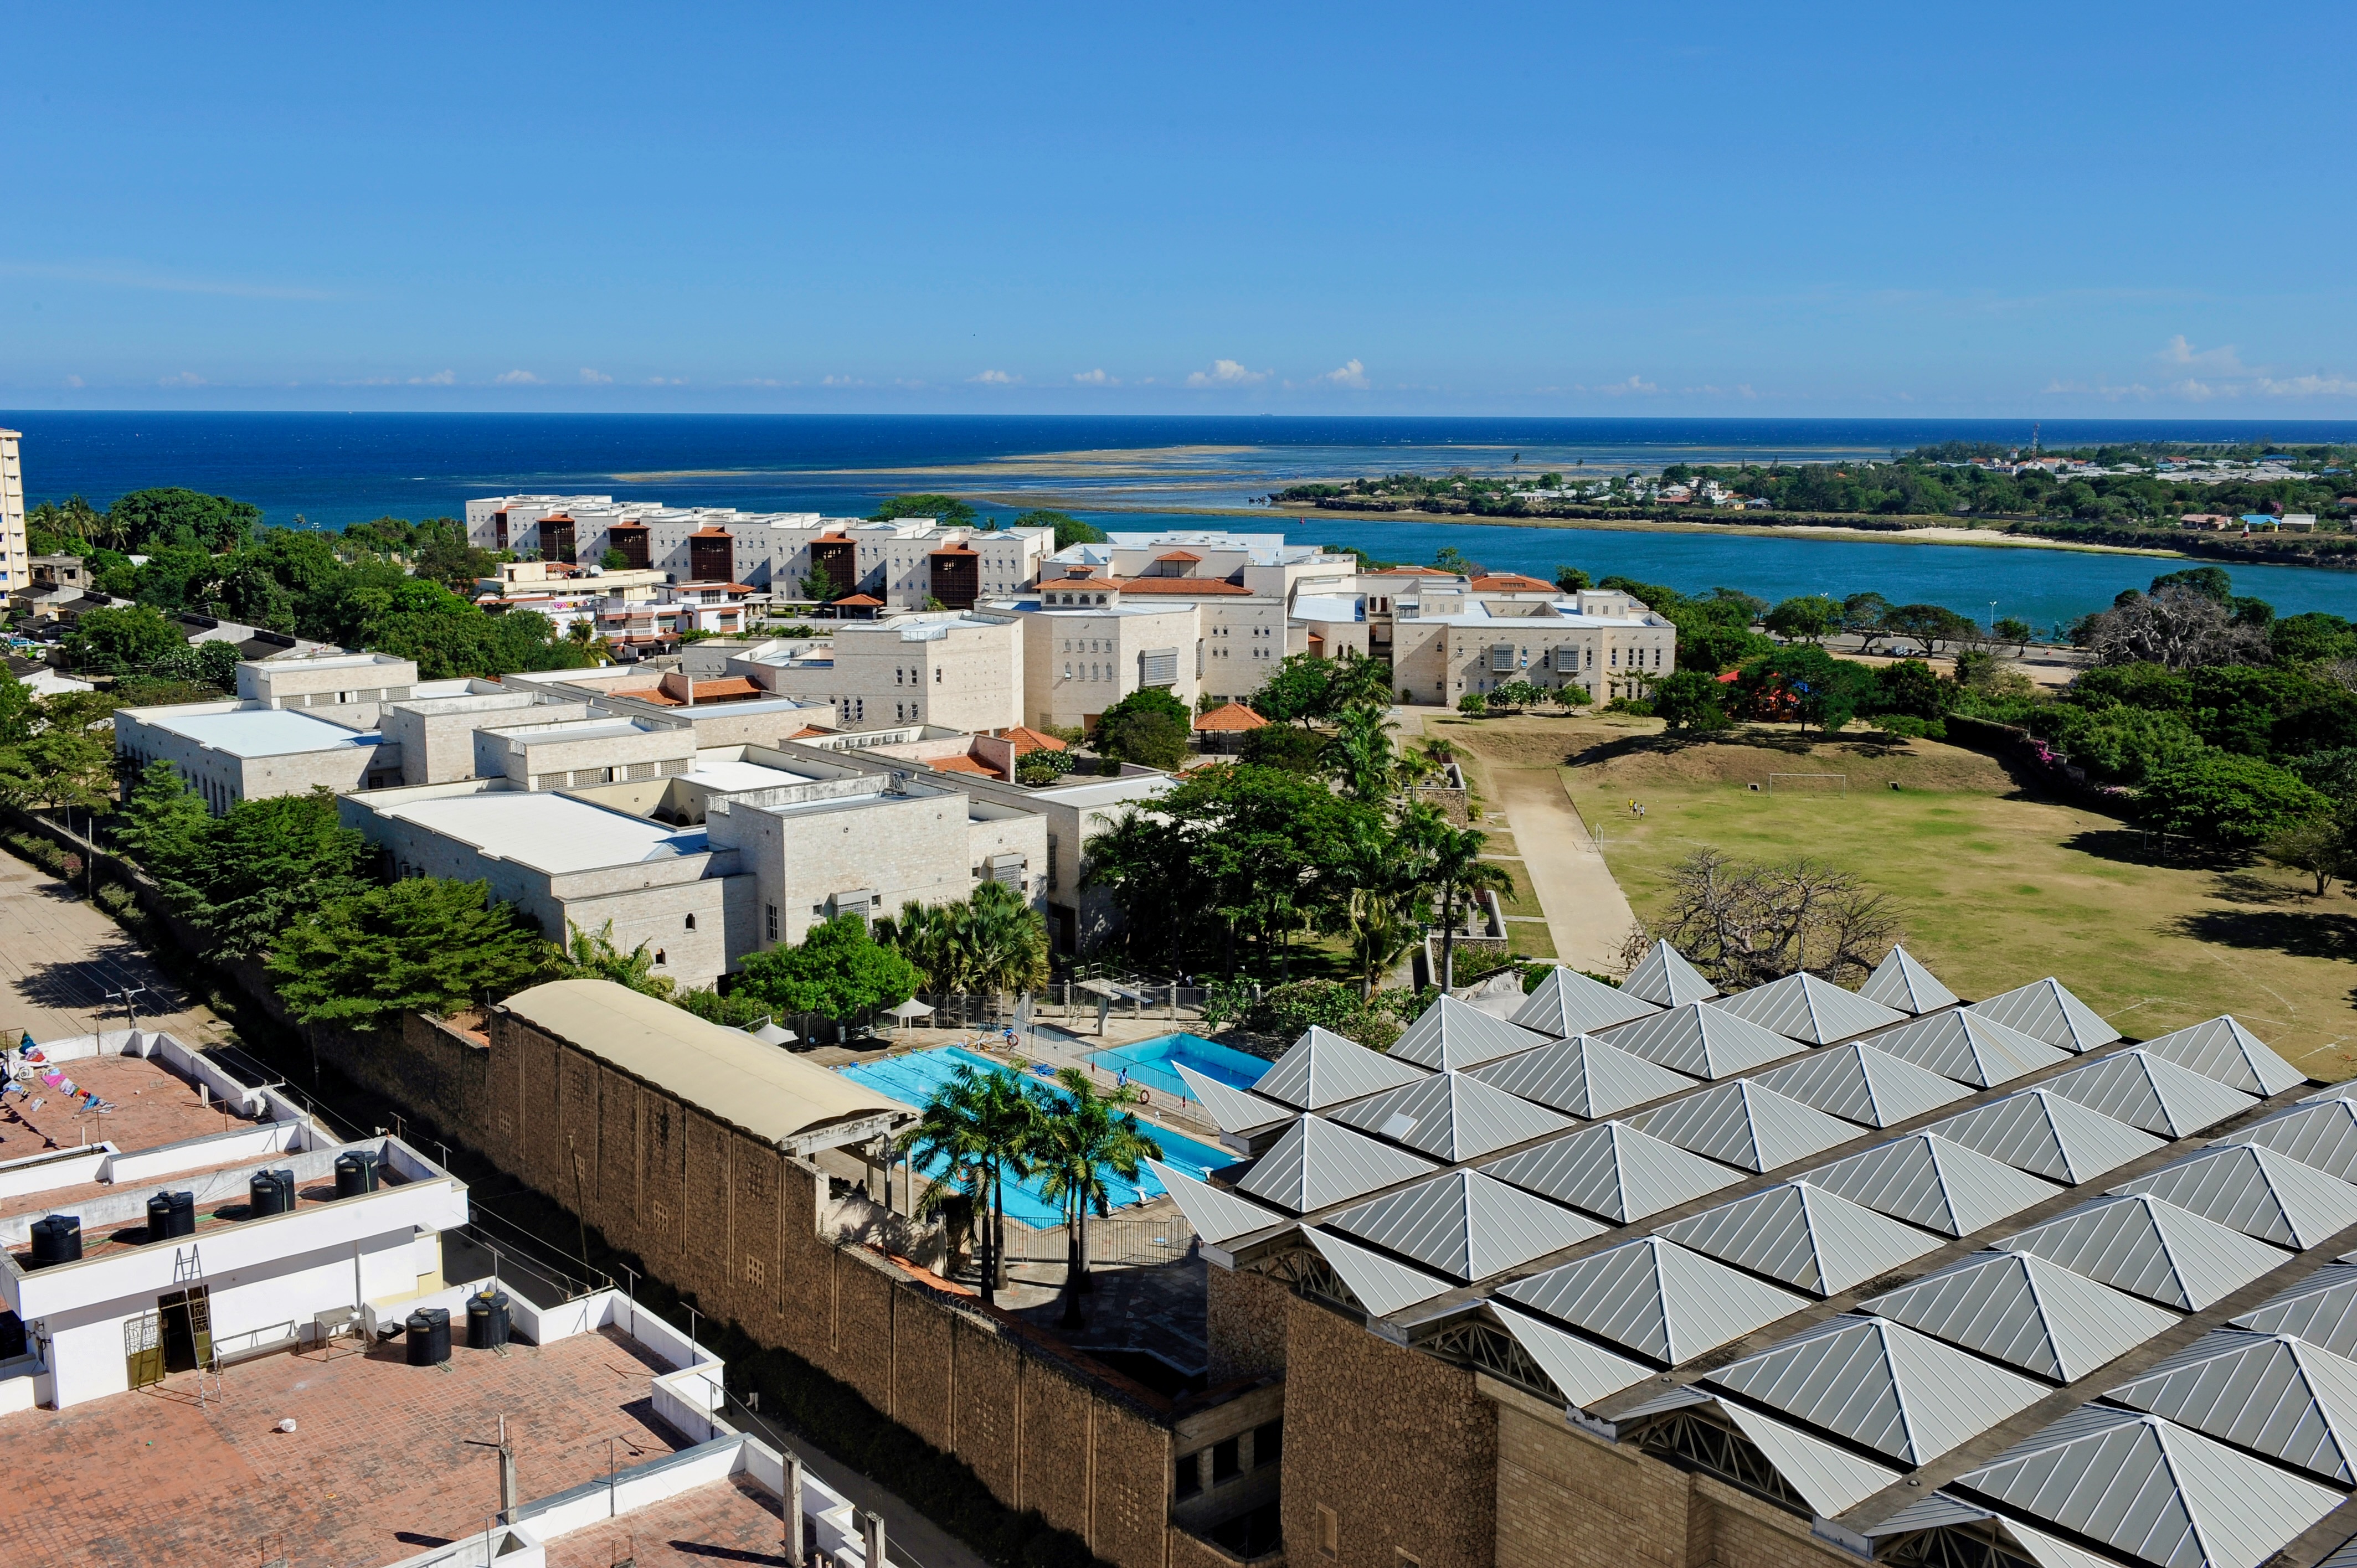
(681, 382)
(1635, 386)
(438, 379)
(1096, 379)
(185, 379)
(1226, 373)
(515, 379)
(841, 381)
(2222, 361)
(1351, 374)
(590, 377)
(2308, 386)
(995, 379)
(73, 380)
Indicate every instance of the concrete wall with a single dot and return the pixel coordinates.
(1076, 663)
(1441, 662)
(223, 778)
(898, 846)
(437, 736)
(337, 680)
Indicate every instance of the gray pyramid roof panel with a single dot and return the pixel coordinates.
(1465, 1225)
(1218, 1215)
(2320, 1309)
(1900, 983)
(1880, 1384)
(1232, 1109)
(1583, 1077)
(2270, 1393)
(1664, 978)
(2152, 1489)
(1318, 1164)
(1803, 1007)
(2257, 1191)
(2222, 1048)
(1451, 1117)
(1453, 1034)
(1968, 1048)
(1582, 1370)
(2151, 1249)
(1614, 1170)
(2321, 1134)
(1701, 1041)
(2025, 1312)
(1803, 1237)
(1381, 1286)
(2343, 1091)
(1567, 1003)
(1744, 1124)
(1927, 1180)
(2044, 1010)
(1655, 1298)
(1322, 1069)
(1861, 1084)
(1829, 1479)
(2143, 1091)
(2048, 1135)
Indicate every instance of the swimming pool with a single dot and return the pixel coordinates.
(913, 1078)
(1149, 1062)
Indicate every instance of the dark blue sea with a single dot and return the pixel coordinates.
(324, 470)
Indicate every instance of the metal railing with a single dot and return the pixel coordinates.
(1137, 1242)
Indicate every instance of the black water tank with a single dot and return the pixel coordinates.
(356, 1173)
(57, 1238)
(171, 1214)
(270, 1192)
(428, 1332)
(12, 1335)
(487, 1321)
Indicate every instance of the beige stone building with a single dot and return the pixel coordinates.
(15, 541)
(953, 671)
(228, 751)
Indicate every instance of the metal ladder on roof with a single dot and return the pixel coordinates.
(188, 1278)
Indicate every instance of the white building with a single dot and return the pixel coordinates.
(15, 541)
(950, 669)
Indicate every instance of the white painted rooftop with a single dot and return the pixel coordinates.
(548, 831)
(731, 777)
(263, 732)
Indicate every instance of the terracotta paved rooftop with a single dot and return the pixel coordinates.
(381, 1466)
(726, 1521)
(153, 1107)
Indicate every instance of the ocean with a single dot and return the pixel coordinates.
(324, 470)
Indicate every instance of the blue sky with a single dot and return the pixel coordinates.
(1993, 209)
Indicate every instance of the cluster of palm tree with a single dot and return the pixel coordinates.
(991, 941)
(985, 1125)
(1400, 869)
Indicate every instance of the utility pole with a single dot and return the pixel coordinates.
(508, 1474)
(130, 1014)
(791, 1527)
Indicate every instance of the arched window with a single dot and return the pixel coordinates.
(690, 922)
(659, 958)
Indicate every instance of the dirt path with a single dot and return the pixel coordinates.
(1586, 913)
(60, 956)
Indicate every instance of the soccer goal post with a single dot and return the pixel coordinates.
(1810, 783)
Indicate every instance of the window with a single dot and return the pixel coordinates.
(660, 959)
(1190, 1474)
(773, 922)
(1329, 1532)
(1226, 1464)
(690, 924)
(1268, 1443)
(937, 677)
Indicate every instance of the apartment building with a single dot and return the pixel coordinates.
(1452, 636)
(16, 540)
(951, 670)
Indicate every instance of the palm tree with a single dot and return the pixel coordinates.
(1360, 754)
(595, 957)
(982, 1127)
(1383, 870)
(1083, 1134)
(1455, 868)
(992, 940)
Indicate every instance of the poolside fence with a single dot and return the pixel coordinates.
(1119, 1241)
(1067, 1002)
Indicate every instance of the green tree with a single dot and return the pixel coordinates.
(1285, 747)
(421, 945)
(614, 560)
(1516, 694)
(1082, 1135)
(592, 955)
(2117, 742)
(2236, 802)
(120, 641)
(1360, 754)
(1811, 618)
(1929, 625)
(260, 868)
(19, 710)
(1473, 705)
(145, 519)
(1069, 530)
(1804, 682)
(838, 972)
(949, 511)
(1690, 700)
(2321, 845)
(202, 663)
(65, 759)
(991, 940)
(161, 819)
(816, 584)
(1571, 579)
(971, 1133)
(1149, 726)
(1454, 871)
(1911, 687)
(2015, 630)
(1382, 867)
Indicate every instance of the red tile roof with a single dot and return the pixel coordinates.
(963, 764)
(1190, 587)
(952, 550)
(1512, 583)
(1180, 556)
(1230, 717)
(863, 601)
(708, 531)
(1028, 740)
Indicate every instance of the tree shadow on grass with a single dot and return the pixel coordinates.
(2131, 846)
(2302, 933)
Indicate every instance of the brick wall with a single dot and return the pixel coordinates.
(1246, 1317)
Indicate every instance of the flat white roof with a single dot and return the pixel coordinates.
(732, 777)
(263, 732)
(551, 833)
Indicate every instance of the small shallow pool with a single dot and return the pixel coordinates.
(913, 1078)
(1150, 1063)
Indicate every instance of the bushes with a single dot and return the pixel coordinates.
(1291, 1011)
(2237, 801)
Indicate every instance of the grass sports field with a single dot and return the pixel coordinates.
(2000, 885)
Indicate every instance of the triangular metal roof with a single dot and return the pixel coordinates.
(1217, 1216)
(2144, 1090)
(1568, 1003)
(1968, 1048)
(2152, 1489)
(1465, 1225)
(2321, 1133)
(1316, 1165)
(1861, 1084)
(2320, 1309)
(2257, 1191)
(2345, 1089)
(1702, 1041)
(1803, 1007)
(1381, 1287)
(1829, 1479)
(1451, 1117)
(2270, 1393)
(2026, 1311)
(1583, 1077)
(1927, 1180)
(1453, 1034)
(1322, 1069)
(2151, 1249)
(1900, 983)
(1664, 978)
(1745, 1126)
(1615, 1171)
(1802, 1235)
(1232, 1109)
(1880, 1384)
(2222, 1048)
(1656, 1298)
(1581, 1371)
(2044, 1010)
(2048, 1135)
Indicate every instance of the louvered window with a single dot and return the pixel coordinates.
(1158, 667)
(1501, 657)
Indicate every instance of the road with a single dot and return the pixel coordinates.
(60, 956)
